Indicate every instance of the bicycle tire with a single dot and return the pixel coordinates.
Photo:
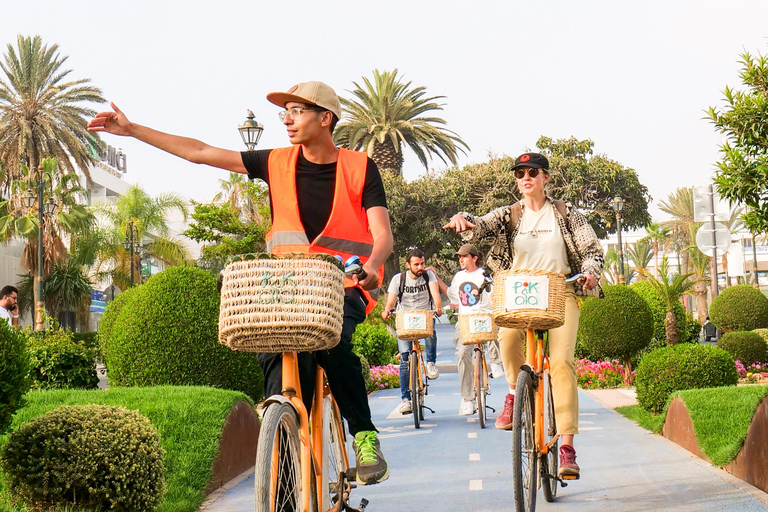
(524, 456)
(334, 451)
(278, 461)
(479, 387)
(549, 462)
(415, 391)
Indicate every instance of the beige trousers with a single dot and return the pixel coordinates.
(562, 344)
(465, 363)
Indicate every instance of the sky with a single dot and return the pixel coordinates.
(634, 77)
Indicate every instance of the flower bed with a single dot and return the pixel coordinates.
(754, 373)
(600, 374)
(385, 377)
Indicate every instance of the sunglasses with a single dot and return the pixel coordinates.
(520, 173)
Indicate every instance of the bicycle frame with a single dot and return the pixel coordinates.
(419, 355)
(538, 360)
(479, 347)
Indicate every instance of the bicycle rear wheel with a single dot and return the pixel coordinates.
(334, 451)
(278, 461)
(416, 397)
(524, 456)
(480, 386)
(549, 462)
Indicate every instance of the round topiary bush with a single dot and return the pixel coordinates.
(108, 319)
(375, 343)
(746, 346)
(166, 333)
(617, 326)
(739, 308)
(93, 456)
(763, 334)
(14, 371)
(686, 366)
(659, 312)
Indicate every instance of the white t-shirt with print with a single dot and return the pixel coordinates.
(464, 291)
(415, 293)
(539, 244)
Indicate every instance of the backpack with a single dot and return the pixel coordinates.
(425, 275)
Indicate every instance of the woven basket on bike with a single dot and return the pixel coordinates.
(280, 303)
(414, 325)
(477, 328)
(519, 301)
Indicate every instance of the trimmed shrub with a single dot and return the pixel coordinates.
(375, 343)
(58, 361)
(617, 326)
(763, 334)
(89, 339)
(108, 319)
(166, 333)
(87, 456)
(366, 373)
(14, 371)
(659, 312)
(746, 346)
(685, 366)
(739, 308)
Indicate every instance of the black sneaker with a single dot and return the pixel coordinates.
(371, 466)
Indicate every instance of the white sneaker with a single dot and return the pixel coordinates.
(468, 408)
(497, 370)
(432, 371)
(405, 406)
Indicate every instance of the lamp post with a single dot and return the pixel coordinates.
(131, 244)
(250, 131)
(47, 208)
(617, 203)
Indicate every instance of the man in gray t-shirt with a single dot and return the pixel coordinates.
(419, 292)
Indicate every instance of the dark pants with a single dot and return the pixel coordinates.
(342, 368)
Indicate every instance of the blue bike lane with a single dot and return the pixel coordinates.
(450, 463)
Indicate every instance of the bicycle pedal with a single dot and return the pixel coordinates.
(569, 477)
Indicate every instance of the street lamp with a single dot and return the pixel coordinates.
(48, 208)
(250, 131)
(131, 244)
(617, 203)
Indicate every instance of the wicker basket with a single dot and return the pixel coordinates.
(524, 299)
(414, 325)
(477, 328)
(278, 304)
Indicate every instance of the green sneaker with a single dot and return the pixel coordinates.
(371, 466)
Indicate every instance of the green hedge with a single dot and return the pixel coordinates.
(14, 371)
(618, 326)
(58, 361)
(166, 333)
(375, 343)
(739, 308)
(91, 456)
(746, 346)
(678, 367)
(659, 312)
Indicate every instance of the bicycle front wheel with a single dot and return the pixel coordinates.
(416, 397)
(480, 386)
(334, 454)
(549, 462)
(278, 461)
(524, 453)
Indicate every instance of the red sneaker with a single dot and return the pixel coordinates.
(504, 419)
(568, 466)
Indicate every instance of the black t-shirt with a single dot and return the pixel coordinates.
(315, 187)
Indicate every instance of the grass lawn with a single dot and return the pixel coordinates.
(188, 419)
(721, 418)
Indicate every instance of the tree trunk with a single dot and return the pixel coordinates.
(670, 326)
(387, 157)
(628, 378)
(700, 289)
(656, 259)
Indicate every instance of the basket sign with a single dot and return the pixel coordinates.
(526, 292)
(415, 321)
(480, 323)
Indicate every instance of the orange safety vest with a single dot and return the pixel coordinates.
(346, 232)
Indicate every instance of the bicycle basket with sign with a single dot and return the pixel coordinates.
(414, 325)
(477, 328)
(281, 303)
(524, 299)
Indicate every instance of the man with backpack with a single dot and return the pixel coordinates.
(414, 289)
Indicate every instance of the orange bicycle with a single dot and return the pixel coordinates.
(417, 370)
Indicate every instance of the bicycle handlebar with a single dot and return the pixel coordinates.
(576, 277)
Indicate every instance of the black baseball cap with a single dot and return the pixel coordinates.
(532, 160)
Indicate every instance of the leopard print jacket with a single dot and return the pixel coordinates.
(582, 246)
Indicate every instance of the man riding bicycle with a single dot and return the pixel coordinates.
(414, 289)
(324, 200)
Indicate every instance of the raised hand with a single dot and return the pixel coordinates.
(459, 223)
(110, 122)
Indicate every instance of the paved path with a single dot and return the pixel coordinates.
(452, 464)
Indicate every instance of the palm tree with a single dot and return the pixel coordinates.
(658, 236)
(670, 289)
(42, 113)
(700, 263)
(67, 289)
(679, 205)
(389, 113)
(250, 199)
(148, 214)
(640, 253)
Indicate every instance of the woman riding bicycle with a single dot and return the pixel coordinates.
(544, 234)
